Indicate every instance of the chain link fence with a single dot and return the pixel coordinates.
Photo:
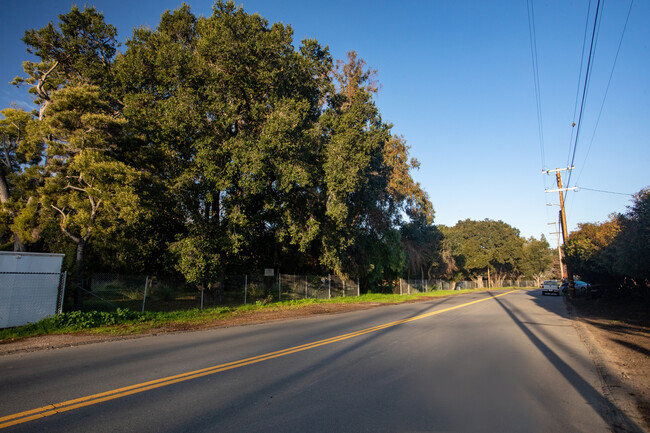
(107, 292)
(407, 287)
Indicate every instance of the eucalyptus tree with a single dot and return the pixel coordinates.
(366, 181)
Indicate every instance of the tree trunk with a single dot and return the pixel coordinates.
(222, 288)
(4, 187)
(19, 246)
(79, 274)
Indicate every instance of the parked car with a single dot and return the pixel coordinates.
(551, 287)
(582, 288)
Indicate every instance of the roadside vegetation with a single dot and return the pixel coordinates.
(207, 147)
(615, 254)
(128, 322)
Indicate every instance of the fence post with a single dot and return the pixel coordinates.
(306, 295)
(358, 288)
(201, 298)
(400, 286)
(329, 286)
(144, 298)
(245, 287)
(279, 288)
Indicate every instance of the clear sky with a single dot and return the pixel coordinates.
(457, 82)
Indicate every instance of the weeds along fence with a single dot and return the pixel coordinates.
(107, 292)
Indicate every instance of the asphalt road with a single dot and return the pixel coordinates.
(472, 363)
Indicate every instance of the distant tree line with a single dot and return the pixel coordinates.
(478, 250)
(211, 146)
(615, 253)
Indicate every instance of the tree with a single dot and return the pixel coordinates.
(225, 109)
(615, 253)
(87, 190)
(588, 252)
(483, 245)
(80, 50)
(367, 187)
(632, 245)
(537, 259)
(18, 155)
(248, 151)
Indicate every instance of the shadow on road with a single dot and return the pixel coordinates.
(283, 384)
(612, 414)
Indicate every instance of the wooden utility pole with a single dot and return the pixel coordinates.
(559, 250)
(565, 230)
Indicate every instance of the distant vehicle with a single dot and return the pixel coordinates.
(582, 288)
(551, 287)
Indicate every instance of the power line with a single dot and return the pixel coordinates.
(611, 74)
(532, 33)
(607, 192)
(582, 59)
(533, 54)
(585, 87)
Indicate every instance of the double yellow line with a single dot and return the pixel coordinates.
(52, 409)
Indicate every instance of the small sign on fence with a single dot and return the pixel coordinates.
(269, 272)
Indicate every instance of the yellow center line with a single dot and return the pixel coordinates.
(52, 409)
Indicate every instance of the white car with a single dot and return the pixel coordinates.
(551, 286)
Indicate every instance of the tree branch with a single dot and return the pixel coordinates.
(64, 217)
(41, 82)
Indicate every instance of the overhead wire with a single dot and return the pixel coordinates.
(603, 191)
(584, 90)
(582, 59)
(609, 81)
(538, 99)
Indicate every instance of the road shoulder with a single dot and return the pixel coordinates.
(622, 366)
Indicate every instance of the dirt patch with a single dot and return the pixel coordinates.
(46, 342)
(621, 332)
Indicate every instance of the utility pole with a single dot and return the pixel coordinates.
(559, 250)
(563, 225)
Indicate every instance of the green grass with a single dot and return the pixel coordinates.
(125, 322)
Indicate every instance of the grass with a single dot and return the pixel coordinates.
(128, 322)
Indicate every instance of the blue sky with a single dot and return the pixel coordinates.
(457, 82)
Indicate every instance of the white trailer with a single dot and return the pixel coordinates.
(29, 287)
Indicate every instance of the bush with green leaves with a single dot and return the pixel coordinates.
(93, 319)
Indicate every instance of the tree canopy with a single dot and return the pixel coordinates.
(615, 252)
(477, 248)
(209, 146)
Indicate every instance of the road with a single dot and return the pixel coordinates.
(499, 361)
